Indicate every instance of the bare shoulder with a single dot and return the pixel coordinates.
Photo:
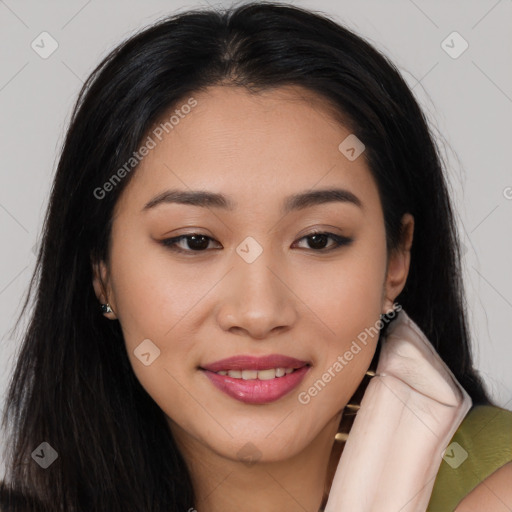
(494, 494)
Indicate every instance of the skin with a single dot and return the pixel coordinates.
(293, 299)
(493, 494)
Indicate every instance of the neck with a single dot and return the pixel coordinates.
(296, 484)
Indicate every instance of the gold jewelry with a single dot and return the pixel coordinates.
(352, 409)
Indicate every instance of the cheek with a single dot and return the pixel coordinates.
(155, 301)
(346, 294)
(152, 293)
(348, 304)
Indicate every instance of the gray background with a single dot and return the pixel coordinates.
(468, 100)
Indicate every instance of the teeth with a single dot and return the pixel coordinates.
(249, 374)
(269, 374)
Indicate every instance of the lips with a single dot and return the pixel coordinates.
(246, 362)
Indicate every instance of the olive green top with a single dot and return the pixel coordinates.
(480, 446)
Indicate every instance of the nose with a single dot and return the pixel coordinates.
(257, 299)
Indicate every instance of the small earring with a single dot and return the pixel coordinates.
(105, 308)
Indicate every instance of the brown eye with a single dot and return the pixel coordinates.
(317, 241)
(194, 242)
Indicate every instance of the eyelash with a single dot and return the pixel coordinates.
(340, 241)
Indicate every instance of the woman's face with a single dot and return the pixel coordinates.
(253, 282)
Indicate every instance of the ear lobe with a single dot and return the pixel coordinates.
(399, 263)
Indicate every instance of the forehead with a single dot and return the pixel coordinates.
(254, 146)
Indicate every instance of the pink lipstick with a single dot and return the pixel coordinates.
(256, 380)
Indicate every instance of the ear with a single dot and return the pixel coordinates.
(102, 288)
(398, 264)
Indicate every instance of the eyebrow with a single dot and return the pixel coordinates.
(297, 201)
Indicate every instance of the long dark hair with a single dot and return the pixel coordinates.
(73, 386)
